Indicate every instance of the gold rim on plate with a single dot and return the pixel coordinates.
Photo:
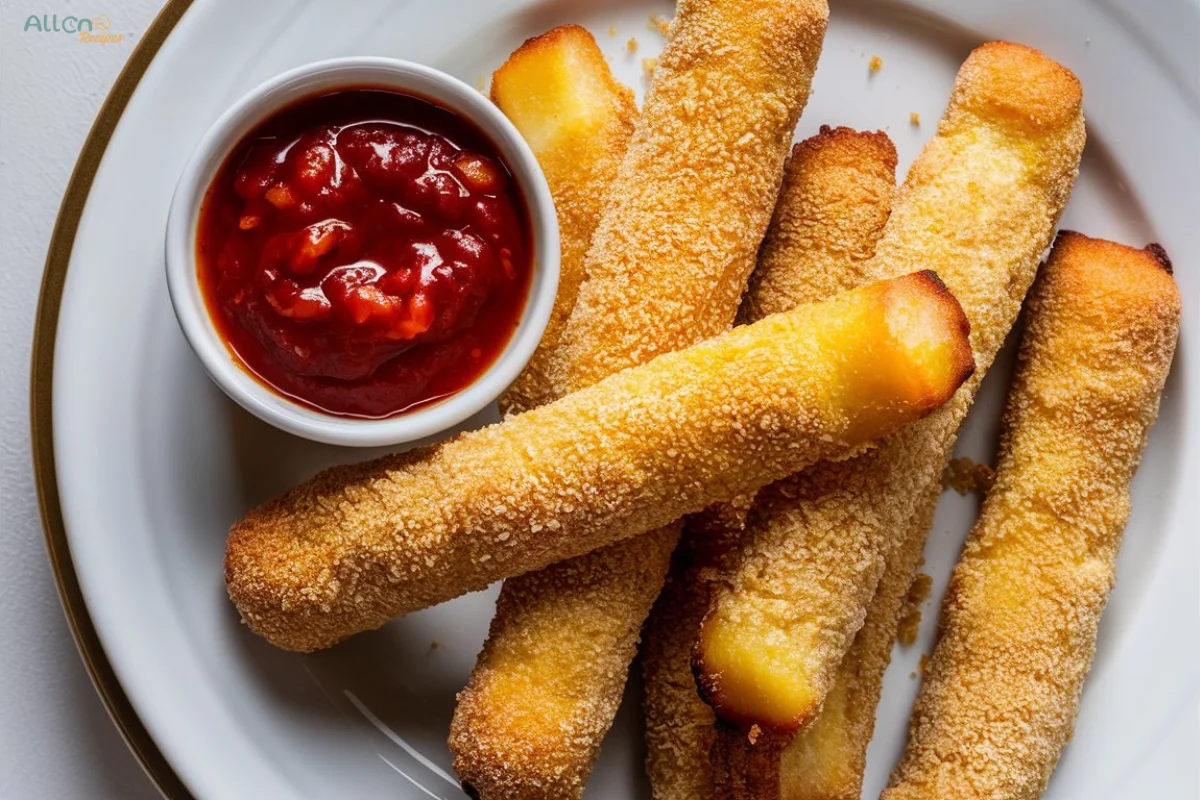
(45, 329)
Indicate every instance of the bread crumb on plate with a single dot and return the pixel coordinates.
(964, 476)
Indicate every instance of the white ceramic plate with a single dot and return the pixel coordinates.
(153, 463)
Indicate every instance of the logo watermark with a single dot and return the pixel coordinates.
(90, 30)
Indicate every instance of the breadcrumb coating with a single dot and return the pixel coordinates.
(559, 92)
(676, 240)
(680, 727)
(979, 205)
(836, 195)
(548, 683)
(360, 544)
(1019, 622)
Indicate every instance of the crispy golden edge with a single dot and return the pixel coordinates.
(1019, 622)
(579, 166)
(836, 196)
(979, 205)
(666, 268)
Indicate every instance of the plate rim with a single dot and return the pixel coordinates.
(41, 384)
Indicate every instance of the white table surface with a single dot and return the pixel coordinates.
(56, 740)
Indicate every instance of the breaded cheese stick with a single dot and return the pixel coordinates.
(980, 205)
(835, 198)
(827, 759)
(357, 545)
(1018, 627)
(676, 241)
(560, 93)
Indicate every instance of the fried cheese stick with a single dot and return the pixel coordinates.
(827, 759)
(1019, 622)
(527, 691)
(358, 545)
(559, 92)
(980, 205)
(676, 241)
(836, 195)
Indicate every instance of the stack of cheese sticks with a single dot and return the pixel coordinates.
(729, 443)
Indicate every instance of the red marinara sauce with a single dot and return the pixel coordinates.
(365, 252)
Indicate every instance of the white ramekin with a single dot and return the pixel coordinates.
(262, 102)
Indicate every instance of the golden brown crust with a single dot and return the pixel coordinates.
(666, 268)
(1019, 622)
(835, 198)
(1012, 84)
(680, 727)
(746, 765)
(560, 93)
(979, 205)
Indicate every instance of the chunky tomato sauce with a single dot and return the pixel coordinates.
(365, 252)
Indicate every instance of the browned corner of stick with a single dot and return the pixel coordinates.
(863, 143)
(942, 292)
(1160, 255)
(545, 40)
(935, 281)
(957, 319)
